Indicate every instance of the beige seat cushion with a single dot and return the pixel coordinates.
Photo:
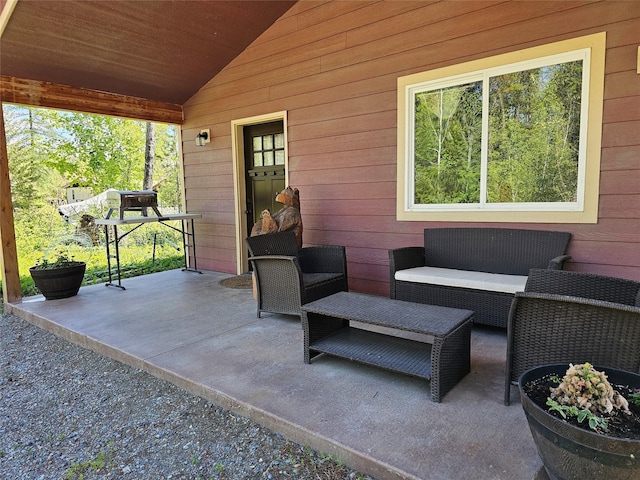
(494, 282)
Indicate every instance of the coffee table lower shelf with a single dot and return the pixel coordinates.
(392, 353)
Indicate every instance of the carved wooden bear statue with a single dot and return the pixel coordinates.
(287, 218)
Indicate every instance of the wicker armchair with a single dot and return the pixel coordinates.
(573, 317)
(288, 277)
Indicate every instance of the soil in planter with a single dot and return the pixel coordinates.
(621, 425)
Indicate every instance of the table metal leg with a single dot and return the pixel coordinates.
(116, 242)
(186, 244)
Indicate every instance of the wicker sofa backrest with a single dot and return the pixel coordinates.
(493, 250)
(584, 285)
(279, 243)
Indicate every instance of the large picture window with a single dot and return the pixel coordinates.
(510, 138)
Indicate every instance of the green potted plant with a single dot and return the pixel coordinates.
(585, 420)
(60, 278)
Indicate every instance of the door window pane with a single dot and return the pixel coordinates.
(268, 150)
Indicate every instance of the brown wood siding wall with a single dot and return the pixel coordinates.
(333, 67)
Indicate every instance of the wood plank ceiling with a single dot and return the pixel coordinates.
(160, 51)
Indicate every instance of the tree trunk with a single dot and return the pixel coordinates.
(149, 157)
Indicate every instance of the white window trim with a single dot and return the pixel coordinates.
(591, 48)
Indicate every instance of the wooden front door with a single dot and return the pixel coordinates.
(265, 166)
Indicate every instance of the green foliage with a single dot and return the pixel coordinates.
(532, 139)
(100, 152)
(635, 397)
(447, 153)
(50, 237)
(596, 422)
(101, 463)
(534, 135)
(61, 261)
(50, 150)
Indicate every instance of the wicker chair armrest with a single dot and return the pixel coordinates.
(558, 262)
(282, 260)
(279, 283)
(323, 259)
(274, 268)
(289, 258)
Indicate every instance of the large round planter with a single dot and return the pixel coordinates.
(569, 452)
(58, 282)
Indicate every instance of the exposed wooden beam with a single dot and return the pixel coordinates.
(6, 9)
(65, 97)
(8, 253)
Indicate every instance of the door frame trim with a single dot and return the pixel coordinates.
(239, 172)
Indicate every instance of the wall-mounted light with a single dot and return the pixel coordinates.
(203, 138)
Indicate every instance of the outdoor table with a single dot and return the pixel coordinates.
(188, 238)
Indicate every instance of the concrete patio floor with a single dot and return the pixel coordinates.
(187, 329)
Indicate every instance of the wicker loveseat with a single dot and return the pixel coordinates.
(571, 317)
(476, 269)
(287, 277)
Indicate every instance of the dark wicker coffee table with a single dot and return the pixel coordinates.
(444, 361)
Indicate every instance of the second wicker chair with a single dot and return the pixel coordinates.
(288, 277)
(572, 317)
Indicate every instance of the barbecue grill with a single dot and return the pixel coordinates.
(132, 200)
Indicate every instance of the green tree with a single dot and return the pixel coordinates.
(534, 130)
(50, 150)
(24, 131)
(166, 168)
(96, 151)
(447, 145)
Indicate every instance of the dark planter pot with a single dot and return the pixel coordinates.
(58, 282)
(569, 452)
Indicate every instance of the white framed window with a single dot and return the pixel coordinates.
(511, 138)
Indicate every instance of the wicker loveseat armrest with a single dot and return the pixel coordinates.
(406, 257)
(401, 259)
(323, 259)
(558, 262)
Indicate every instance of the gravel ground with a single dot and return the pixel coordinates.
(68, 413)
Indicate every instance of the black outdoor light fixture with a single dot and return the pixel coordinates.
(203, 138)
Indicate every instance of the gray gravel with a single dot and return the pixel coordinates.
(68, 413)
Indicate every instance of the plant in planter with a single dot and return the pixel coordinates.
(585, 393)
(585, 421)
(60, 278)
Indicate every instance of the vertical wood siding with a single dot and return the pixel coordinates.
(333, 67)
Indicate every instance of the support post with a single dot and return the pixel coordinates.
(11, 291)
